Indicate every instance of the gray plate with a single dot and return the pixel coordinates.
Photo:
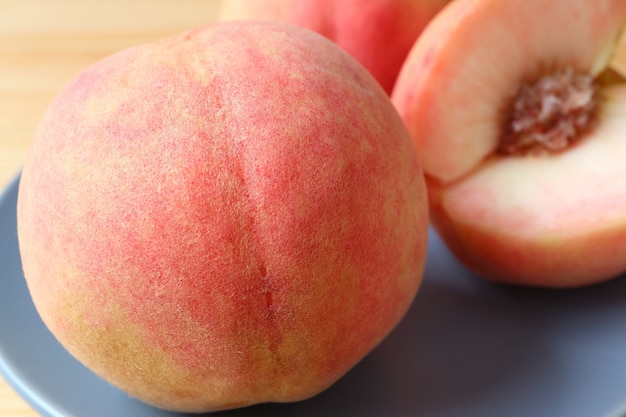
(466, 348)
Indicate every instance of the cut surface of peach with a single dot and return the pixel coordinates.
(541, 214)
(469, 62)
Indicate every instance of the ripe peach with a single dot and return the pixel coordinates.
(519, 118)
(228, 216)
(378, 33)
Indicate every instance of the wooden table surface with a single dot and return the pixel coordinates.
(43, 44)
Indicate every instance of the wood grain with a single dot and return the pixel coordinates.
(43, 44)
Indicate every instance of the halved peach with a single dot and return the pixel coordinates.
(520, 122)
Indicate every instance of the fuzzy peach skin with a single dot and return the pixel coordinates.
(378, 33)
(228, 216)
(556, 220)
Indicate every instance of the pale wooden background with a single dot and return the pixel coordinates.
(43, 44)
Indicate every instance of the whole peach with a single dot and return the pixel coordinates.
(227, 216)
(378, 33)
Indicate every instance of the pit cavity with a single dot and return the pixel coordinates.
(550, 113)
